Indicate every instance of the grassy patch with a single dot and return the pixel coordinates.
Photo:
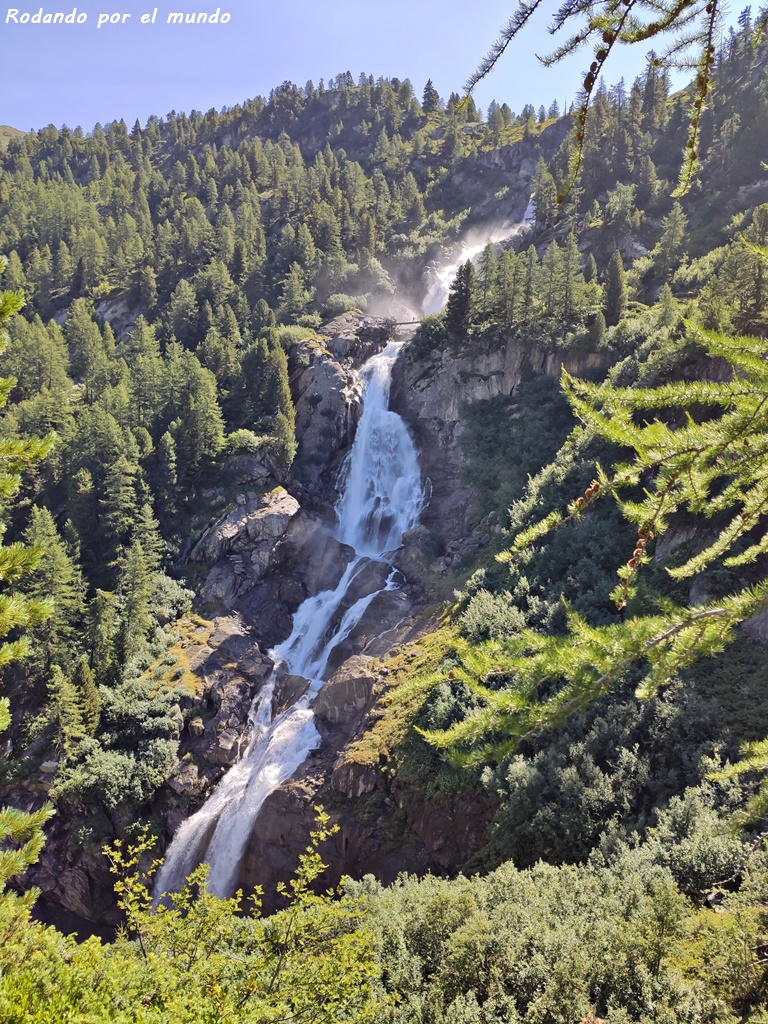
(172, 670)
(438, 661)
(413, 673)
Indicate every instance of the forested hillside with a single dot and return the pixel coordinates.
(167, 272)
(591, 745)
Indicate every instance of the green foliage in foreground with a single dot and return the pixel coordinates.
(626, 936)
(615, 938)
(21, 836)
(196, 960)
(699, 450)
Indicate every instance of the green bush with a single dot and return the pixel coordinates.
(491, 617)
(244, 442)
(291, 334)
(339, 303)
(616, 765)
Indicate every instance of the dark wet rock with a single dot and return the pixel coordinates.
(288, 689)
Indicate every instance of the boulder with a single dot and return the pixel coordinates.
(288, 689)
(354, 780)
(347, 693)
(254, 526)
(229, 745)
(186, 781)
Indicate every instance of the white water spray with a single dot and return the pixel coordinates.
(471, 246)
(381, 499)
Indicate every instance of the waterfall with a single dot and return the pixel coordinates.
(381, 498)
(469, 249)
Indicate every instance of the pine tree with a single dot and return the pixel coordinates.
(669, 251)
(615, 290)
(552, 273)
(146, 531)
(165, 476)
(88, 697)
(65, 711)
(669, 314)
(134, 586)
(184, 314)
(544, 195)
(102, 629)
(597, 330)
(488, 277)
(56, 577)
(295, 296)
(118, 506)
(430, 101)
(530, 283)
(21, 835)
(84, 340)
(461, 298)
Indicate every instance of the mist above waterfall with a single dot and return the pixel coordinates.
(471, 245)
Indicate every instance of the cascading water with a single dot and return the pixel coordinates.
(381, 499)
(469, 249)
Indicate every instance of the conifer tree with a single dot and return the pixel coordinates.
(615, 290)
(102, 626)
(430, 100)
(56, 578)
(669, 251)
(118, 506)
(65, 711)
(597, 330)
(544, 195)
(21, 835)
(146, 531)
(89, 700)
(531, 281)
(165, 476)
(461, 297)
(488, 276)
(590, 269)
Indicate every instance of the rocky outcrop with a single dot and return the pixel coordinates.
(327, 395)
(254, 526)
(430, 395)
(384, 827)
(327, 404)
(232, 668)
(347, 693)
(262, 559)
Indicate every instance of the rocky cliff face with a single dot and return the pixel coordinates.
(430, 394)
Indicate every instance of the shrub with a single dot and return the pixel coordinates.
(339, 303)
(243, 442)
(491, 617)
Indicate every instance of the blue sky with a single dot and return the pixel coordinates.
(80, 74)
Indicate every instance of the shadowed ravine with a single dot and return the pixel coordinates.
(381, 498)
